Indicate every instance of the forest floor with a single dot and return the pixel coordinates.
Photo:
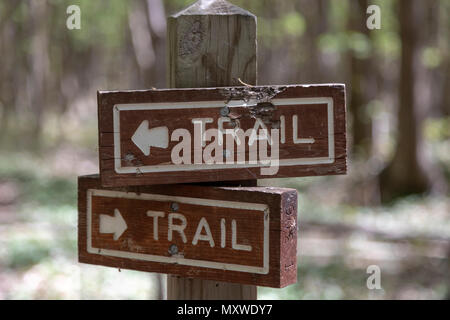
(409, 240)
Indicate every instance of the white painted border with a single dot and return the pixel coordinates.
(218, 104)
(179, 259)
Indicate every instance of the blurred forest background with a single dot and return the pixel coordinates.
(392, 209)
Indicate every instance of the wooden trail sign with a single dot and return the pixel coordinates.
(240, 235)
(221, 134)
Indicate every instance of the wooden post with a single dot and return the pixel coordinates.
(212, 43)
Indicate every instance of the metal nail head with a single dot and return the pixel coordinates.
(174, 206)
(173, 249)
(225, 111)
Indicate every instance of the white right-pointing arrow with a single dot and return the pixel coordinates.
(116, 224)
(145, 138)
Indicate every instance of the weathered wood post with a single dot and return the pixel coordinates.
(212, 43)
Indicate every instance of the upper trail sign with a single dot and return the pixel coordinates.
(221, 134)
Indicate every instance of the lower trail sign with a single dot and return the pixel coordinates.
(221, 134)
(241, 235)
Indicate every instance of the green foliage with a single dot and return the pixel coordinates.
(103, 22)
(438, 129)
(293, 24)
(387, 41)
(360, 44)
(38, 188)
(24, 253)
(338, 15)
(387, 44)
(342, 42)
(432, 57)
(333, 43)
(280, 31)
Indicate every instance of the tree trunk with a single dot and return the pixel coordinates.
(445, 29)
(405, 175)
(39, 63)
(359, 86)
(316, 24)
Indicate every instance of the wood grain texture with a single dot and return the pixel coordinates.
(138, 237)
(312, 119)
(211, 46)
(181, 288)
(211, 43)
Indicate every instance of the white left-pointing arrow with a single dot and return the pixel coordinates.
(145, 138)
(116, 224)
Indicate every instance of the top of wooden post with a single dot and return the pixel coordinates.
(213, 7)
(211, 43)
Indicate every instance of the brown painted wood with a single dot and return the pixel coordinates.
(137, 241)
(313, 122)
